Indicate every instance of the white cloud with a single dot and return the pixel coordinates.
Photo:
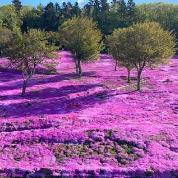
(80, 1)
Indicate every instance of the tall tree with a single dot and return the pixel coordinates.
(76, 11)
(49, 18)
(103, 16)
(131, 7)
(122, 12)
(88, 10)
(122, 8)
(96, 10)
(131, 12)
(17, 4)
(82, 38)
(31, 18)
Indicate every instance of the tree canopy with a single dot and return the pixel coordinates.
(17, 4)
(9, 18)
(5, 36)
(26, 51)
(141, 45)
(81, 37)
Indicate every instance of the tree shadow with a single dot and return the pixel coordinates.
(175, 57)
(52, 103)
(54, 79)
(67, 55)
(48, 93)
(103, 56)
(51, 106)
(124, 77)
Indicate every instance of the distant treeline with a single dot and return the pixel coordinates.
(109, 16)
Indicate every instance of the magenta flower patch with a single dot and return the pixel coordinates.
(94, 126)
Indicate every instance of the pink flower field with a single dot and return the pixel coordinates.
(96, 126)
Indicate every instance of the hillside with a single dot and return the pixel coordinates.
(96, 125)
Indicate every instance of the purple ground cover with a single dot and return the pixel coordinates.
(94, 126)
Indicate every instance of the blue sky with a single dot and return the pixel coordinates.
(81, 2)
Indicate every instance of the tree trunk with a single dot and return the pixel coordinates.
(76, 65)
(24, 87)
(79, 68)
(128, 76)
(138, 80)
(116, 66)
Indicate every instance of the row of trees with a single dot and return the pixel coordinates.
(137, 46)
(108, 16)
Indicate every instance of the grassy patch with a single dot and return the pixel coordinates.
(99, 149)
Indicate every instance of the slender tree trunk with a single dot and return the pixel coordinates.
(25, 80)
(24, 87)
(79, 68)
(138, 80)
(76, 65)
(116, 65)
(128, 76)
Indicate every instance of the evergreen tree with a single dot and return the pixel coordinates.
(131, 11)
(49, 18)
(31, 18)
(76, 11)
(87, 10)
(122, 10)
(131, 8)
(103, 17)
(96, 10)
(17, 4)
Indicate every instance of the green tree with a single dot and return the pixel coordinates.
(9, 18)
(163, 13)
(76, 11)
(26, 51)
(88, 10)
(82, 38)
(17, 4)
(5, 35)
(118, 48)
(131, 12)
(49, 18)
(103, 16)
(151, 46)
(31, 18)
(147, 45)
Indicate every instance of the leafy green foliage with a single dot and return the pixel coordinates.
(110, 17)
(118, 48)
(163, 13)
(17, 4)
(31, 17)
(9, 18)
(140, 45)
(82, 38)
(5, 35)
(26, 51)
